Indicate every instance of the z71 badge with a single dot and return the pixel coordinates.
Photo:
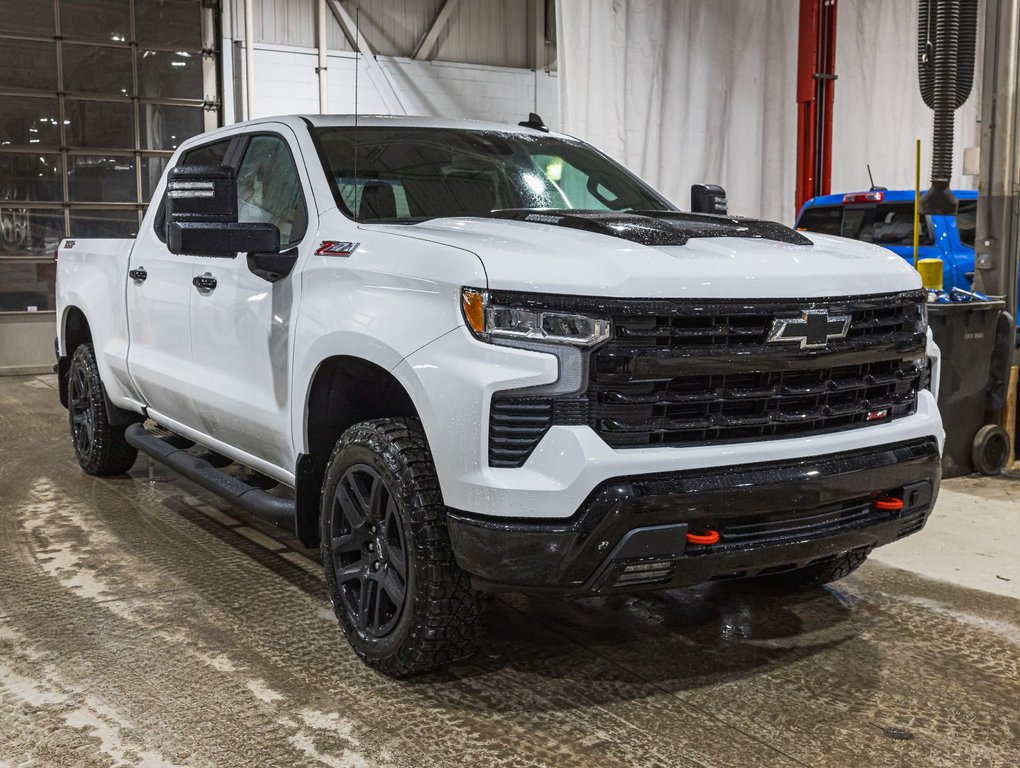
(334, 248)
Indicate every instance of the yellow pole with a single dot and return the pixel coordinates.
(917, 197)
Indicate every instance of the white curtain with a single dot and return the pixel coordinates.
(686, 91)
(878, 111)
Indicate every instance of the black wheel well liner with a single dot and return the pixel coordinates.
(345, 390)
(77, 331)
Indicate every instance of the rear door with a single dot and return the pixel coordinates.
(242, 329)
(159, 294)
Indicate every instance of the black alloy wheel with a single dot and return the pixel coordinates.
(369, 551)
(81, 405)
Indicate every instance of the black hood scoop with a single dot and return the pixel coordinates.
(657, 227)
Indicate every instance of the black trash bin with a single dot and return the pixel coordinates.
(976, 340)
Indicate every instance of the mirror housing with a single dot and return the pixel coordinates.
(201, 215)
(708, 198)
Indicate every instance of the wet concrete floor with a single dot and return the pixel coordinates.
(146, 623)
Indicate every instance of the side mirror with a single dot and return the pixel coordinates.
(708, 198)
(201, 215)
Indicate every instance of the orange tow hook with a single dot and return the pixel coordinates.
(708, 537)
(888, 504)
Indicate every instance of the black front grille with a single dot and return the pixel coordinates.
(749, 406)
(677, 373)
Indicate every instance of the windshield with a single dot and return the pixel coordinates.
(401, 174)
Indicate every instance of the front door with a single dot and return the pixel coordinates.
(242, 328)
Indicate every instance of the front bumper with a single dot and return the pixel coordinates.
(630, 533)
(453, 380)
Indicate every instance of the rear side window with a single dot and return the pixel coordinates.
(884, 224)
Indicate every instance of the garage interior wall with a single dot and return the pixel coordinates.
(685, 91)
(491, 59)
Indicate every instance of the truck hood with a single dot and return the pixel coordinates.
(529, 256)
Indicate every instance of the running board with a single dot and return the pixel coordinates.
(282, 512)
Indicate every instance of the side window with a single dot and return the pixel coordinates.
(207, 154)
(269, 189)
(966, 221)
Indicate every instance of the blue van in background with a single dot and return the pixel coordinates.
(886, 218)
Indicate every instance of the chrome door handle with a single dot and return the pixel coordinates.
(205, 283)
(138, 275)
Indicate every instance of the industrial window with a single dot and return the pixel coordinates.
(96, 97)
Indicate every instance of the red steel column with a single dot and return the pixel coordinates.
(816, 65)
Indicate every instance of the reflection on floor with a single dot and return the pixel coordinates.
(144, 622)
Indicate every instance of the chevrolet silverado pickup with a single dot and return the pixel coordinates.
(461, 357)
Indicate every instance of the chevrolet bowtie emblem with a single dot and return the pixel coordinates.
(814, 329)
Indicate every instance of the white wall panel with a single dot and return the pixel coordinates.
(286, 83)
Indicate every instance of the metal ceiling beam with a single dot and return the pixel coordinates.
(428, 41)
(372, 69)
(350, 28)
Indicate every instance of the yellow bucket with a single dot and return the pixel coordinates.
(931, 273)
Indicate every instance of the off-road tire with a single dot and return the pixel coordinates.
(816, 575)
(441, 617)
(99, 447)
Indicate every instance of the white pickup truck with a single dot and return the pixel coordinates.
(465, 357)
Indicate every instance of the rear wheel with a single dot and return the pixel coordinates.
(401, 600)
(100, 448)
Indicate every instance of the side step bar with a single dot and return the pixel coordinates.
(282, 512)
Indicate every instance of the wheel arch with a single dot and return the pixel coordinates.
(343, 390)
(73, 332)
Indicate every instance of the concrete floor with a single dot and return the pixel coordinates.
(145, 623)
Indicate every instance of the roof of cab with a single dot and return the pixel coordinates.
(377, 121)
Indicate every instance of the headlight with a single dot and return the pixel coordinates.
(488, 322)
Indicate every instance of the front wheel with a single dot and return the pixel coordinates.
(401, 599)
(100, 447)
